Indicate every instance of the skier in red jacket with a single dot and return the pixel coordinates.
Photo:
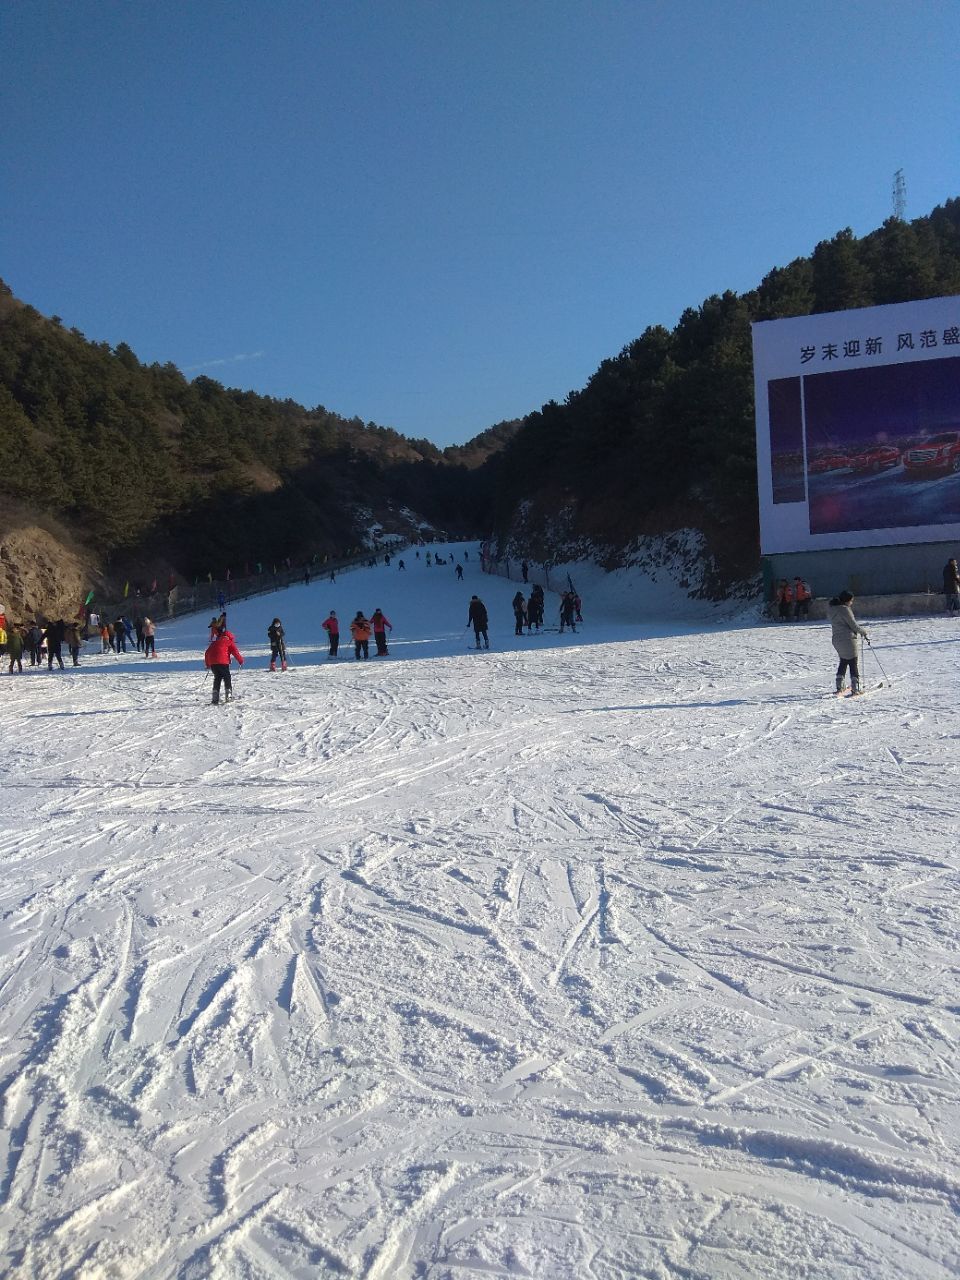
(217, 657)
(381, 625)
(332, 627)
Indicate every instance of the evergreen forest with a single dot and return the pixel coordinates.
(148, 468)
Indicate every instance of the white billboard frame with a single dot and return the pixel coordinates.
(819, 346)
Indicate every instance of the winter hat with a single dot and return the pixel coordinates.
(845, 597)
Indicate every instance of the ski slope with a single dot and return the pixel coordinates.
(621, 954)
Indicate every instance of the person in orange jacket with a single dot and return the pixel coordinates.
(381, 625)
(217, 657)
(332, 627)
(784, 600)
(360, 630)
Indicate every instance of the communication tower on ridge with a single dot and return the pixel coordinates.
(899, 195)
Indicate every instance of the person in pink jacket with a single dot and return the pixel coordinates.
(217, 657)
(381, 625)
(332, 627)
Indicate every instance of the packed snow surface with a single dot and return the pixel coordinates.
(624, 953)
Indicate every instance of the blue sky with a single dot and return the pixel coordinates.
(439, 215)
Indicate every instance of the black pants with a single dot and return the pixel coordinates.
(221, 675)
(53, 651)
(75, 654)
(334, 644)
(854, 666)
(362, 648)
(518, 619)
(149, 646)
(381, 639)
(481, 632)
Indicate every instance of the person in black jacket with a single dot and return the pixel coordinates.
(477, 618)
(278, 647)
(54, 638)
(951, 585)
(519, 613)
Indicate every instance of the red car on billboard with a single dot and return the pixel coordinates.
(937, 453)
(827, 462)
(878, 458)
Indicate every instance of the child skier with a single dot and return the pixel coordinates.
(278, 648)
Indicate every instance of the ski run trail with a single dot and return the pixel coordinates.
(628, 953)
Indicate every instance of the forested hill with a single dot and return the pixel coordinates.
(663, 434)
(157, 473)
(149, 468)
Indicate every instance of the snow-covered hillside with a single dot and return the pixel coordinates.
(628, 953)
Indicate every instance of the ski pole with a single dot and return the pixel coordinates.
(878, 662)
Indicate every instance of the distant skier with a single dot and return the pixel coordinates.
(525, 569)
(477, 618)
(519, 613)
(278, 647)
(71, 637)
(35, 645)
(801, 599)
(567, 612)
(381, 625)
(332, 627)
(459, 572)
(577, 607)
(217, 658)
(149, 638)
(360, 630)
(784, 600)
(951, 586)
(846, 629)
(535, 606)
(401, 565)
(15, 647)
(53, 635)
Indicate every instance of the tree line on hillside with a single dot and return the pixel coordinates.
(143, 462)
(669, 422)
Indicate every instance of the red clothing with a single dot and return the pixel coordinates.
(220, 651)
(801, 591)
(331, 626)
(381, 624)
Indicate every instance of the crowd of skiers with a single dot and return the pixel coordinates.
(41, 643)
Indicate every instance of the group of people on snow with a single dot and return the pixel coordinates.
(41, 641)
(793, 600)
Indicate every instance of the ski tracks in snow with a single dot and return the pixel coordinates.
(511, 965)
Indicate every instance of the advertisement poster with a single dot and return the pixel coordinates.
(858, 427)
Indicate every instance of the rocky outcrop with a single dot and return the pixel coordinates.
(40, 574)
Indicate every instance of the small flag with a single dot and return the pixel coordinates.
(126, 590)
(89, 597)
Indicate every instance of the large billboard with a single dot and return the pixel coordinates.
(858, 427)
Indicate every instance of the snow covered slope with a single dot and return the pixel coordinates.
(621, 954)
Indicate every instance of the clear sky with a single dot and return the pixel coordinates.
(439, 214)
